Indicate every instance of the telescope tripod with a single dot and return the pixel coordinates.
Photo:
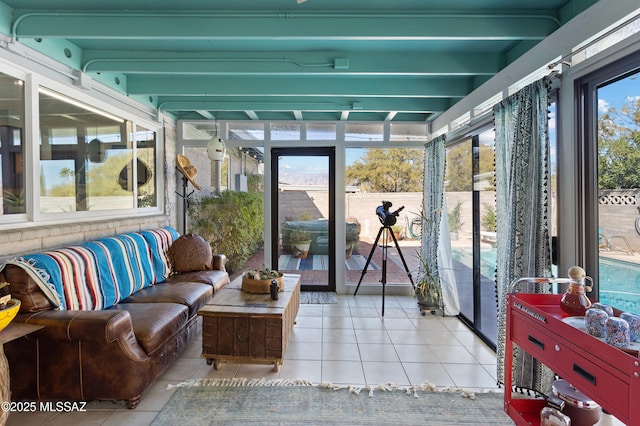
(386, 231)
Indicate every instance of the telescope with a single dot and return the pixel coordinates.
(386, 217)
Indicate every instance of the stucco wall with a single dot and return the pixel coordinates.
(618, 213)
(362, 206)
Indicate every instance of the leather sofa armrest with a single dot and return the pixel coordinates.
(219, 262)
(101, 327)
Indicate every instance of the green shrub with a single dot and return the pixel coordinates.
(488, 219)
(232, 222)
(255, 183)
(305, 216)
(454, 218)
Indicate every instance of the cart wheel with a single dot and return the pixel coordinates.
(209, 361)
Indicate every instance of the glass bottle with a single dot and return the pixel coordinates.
(575, 301)
(552, 415)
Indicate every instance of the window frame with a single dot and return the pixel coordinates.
(587, 124)
(31, 139)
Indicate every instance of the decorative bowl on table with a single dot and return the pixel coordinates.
(9, 312)
(259, 281)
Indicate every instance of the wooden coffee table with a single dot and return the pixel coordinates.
(247, 328)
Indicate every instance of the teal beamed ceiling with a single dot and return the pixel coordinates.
(398, 60)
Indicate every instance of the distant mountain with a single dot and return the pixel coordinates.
(304, 178)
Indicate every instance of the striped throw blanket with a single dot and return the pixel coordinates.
(98, 274)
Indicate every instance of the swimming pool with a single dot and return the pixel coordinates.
(487, 260)
(620, 284)
(619, 280)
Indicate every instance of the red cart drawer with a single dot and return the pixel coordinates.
(526, 334)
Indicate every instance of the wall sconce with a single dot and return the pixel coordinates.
(216, 149)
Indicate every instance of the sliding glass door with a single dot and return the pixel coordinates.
(611, 109)
(470, 196)
(303, 225)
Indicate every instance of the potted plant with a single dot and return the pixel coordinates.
(397, 231)
(14, 203)
(259, 280)
(488, 219)
(306, 216)
(454, 221)
(300, 241)
(428, 286)
(488, 223)
(348, 250)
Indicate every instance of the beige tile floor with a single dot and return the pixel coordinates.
(345, 343)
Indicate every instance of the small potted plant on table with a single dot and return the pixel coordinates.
(259, 280)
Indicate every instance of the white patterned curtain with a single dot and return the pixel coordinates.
(436, 244)
(522, 178)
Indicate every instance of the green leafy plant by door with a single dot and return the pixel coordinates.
(232, 222)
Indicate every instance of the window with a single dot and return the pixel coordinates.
(285, 131)
(87, 159)
(403, 132)
(364, 132)
(373, 175)
(321, 131)
(146, 167)
(612, 135)
(246, 131)
(12, 161)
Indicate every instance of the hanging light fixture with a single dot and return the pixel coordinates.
(216, 147)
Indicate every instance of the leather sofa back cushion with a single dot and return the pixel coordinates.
(190, 252)
(94, 275)
(23, 287)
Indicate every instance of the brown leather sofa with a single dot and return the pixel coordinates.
(113, 353)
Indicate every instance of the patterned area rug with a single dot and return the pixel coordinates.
(319, 262)
(265, 403)
(318, 298)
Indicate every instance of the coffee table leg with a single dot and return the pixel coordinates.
(216, 364)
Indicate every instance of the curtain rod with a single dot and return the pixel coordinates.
(592, 42)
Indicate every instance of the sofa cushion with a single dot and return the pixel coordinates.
(24, 287)
(191, 294)
(190, 252)
(155, 323)
(217, 279)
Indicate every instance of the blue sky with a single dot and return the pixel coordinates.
(619, 92)
(313, 165)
